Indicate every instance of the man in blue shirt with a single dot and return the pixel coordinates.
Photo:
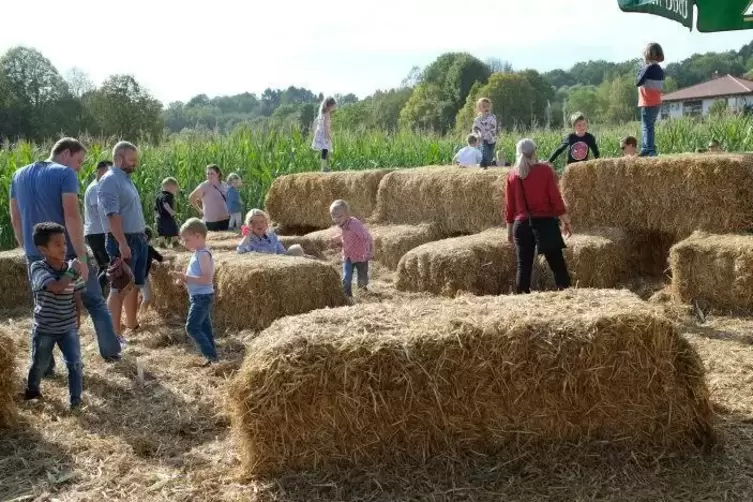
(95, 229)
(120, 201)
(48, 192)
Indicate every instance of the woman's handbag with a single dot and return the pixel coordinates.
(546, 231)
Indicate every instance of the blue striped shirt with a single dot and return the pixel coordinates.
(38, 190)
(117, 195)
(54, 314)
(268, 244)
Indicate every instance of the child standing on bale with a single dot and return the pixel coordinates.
(234, 202)
(485, 127)
(199, 280)
(578, 143)
(650, 83)
(57, 288)
(258, 239)
(323, 132)
(357, 244)
(164, 212)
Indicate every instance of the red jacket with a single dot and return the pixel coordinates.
(541, 193)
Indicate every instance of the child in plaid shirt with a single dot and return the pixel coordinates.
(56, 286)
(485, 127)
(357, 244)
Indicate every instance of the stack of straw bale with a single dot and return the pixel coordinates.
(14, 279)
(8, 382)
(482, 264)
(716, 269)
(671, 194)
(392, 242)
(253, 290)
(458, 201)
(300, 202)
(454, 379)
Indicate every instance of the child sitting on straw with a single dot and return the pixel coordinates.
(199, 280)
(357, 246)
(258, 239)
(470, 155)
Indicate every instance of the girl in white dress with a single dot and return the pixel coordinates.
(323, 133)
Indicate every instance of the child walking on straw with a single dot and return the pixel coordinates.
(485, 127)
(357, 246)
(323, 132)
(199, 280)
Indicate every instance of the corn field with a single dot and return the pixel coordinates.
(260, 156)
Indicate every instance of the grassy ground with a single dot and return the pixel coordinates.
(169, 439)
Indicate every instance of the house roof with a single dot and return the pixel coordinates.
(718, 87)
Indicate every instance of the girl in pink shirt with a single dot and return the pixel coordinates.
(357, 244)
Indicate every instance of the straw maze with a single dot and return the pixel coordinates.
(450, 377)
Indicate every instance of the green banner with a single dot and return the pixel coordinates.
(724, 15)
(676, 10)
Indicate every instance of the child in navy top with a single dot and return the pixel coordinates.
(650, 83)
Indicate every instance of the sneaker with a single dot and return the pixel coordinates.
(112, 359)
(123, 342)
(75, 405)
(31, 394)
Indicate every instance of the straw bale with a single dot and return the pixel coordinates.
(599, 258)
(223, 236)
(672, 194)
(459, 201)
(715, 269)
(482, 264)
(316, 243)
(303, 200)
(252, 290)
(391, 242)
(14, 279)
(8, 382)
(453, 380)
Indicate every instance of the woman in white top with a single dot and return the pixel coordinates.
(210, 200)
(323, 132)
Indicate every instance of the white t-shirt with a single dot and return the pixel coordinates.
(468, 156)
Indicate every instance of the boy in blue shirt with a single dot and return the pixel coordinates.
(234, 202)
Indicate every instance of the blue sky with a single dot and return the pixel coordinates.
(179, 49)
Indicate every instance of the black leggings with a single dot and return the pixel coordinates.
(97, 244)
(325, 153)
(218, 226)
(525, 247)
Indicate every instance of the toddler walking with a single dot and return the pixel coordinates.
(164, 212)
(357, 246)
(234, 202)
(57, 287)
(485, 127)
(323, 132)
(650, 83)
(199, 281)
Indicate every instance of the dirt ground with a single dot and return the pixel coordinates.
(168, 438)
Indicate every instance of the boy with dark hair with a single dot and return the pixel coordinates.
(629, 146)
(56, 286)
(578, 143)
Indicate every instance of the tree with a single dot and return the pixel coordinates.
(347, 99)
(121, 107)
(413, 78)
(617, 100)
(497, 65)
(670, 85)
(583, 99)
(79, 82)
(425, 110)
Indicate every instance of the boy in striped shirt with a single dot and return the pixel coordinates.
(57, 288)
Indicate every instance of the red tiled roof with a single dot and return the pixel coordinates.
(718, 87)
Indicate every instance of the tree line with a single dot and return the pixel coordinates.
(37, 102)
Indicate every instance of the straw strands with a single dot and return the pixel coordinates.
(458, 201)
(461, 379)
(8, 384)
(716, 269)
(391, 242)
(303, 200)
(14, 279)
(673, 194)
(252, 290)
(482, 264)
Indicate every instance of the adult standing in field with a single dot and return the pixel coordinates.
(534, 209)
(95, 225)
(48, 192)
(210, 200)
(120, 201)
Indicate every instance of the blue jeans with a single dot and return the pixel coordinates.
(363, 275)
(649, 114)
(139, 254)
(94, 302)
(199, 324)
(487, 154)
(41, 355)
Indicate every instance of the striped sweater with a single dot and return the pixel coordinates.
(54, 314)
(650, 83)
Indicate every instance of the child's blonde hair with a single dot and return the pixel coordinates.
(169, 181)
(194, 226)
(577, 117)
(653, 53)
(481, 101)
(254, 213)
(233, 177)
(341, 205)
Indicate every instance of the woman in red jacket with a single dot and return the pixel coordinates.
(534, 208)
